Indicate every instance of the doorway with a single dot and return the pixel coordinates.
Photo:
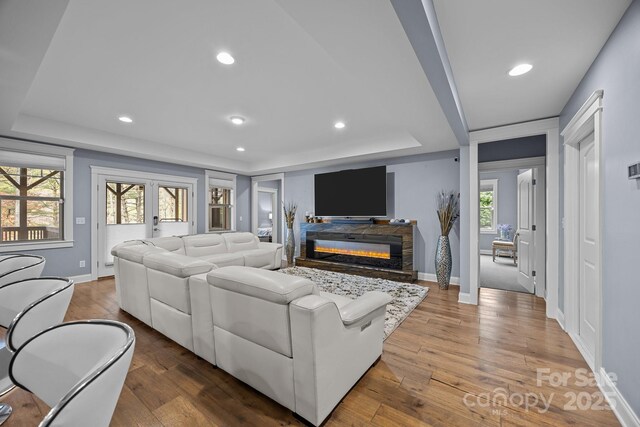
(583, 249)
(268, 212)
(267, 198)
(512, 225)
(129, 205)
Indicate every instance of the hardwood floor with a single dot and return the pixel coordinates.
(448, 364)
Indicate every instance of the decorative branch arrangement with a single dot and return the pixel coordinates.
(448, 210)
(290, 213)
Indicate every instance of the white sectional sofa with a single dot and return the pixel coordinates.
(303, 348)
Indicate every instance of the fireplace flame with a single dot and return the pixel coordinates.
(353, 252)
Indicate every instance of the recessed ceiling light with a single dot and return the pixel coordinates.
(520, 69)
(237, 120)
(125, 119)
(339, 125)
(225, 58)
(239, 149)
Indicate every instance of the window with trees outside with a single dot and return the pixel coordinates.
(31, 204)
(125, 203)
(488, 205)
(220, 208)
(173, 204)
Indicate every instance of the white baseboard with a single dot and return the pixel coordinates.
(465, 298)
(83, 278)
(560, 318)
(430, 277)
(618, 403)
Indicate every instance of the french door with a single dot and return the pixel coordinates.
(130, 208)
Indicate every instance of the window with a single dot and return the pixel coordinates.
(125, 203)
(220, 209)
(34, 196)
(488, 205)
(221, 201)
(173, 204)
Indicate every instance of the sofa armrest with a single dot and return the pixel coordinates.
(277, 252)
(363, 306)
(330, 356)
(176, 264)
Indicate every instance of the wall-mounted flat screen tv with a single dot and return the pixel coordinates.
(352, 193)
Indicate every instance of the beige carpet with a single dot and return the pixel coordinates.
(502, 274)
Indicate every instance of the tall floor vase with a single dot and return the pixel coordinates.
(443, 262)
(290, 247)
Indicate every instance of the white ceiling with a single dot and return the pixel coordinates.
(69, 68)
(300, 66)
(485, 39)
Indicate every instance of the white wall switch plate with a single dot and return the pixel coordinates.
(80, 220)
(82, 264)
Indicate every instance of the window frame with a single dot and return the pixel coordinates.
(220, 180)
(67, 222)
(494, 226)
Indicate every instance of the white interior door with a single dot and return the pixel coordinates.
(588, 258)
(172, 212)
(526, 230)
(123, 209)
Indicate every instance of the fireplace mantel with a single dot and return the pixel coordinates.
(365, 232)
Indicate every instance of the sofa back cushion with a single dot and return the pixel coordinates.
(199, 245)
(254, 304)
(172, 244)
(237, 242)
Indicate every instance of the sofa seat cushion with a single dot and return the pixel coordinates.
(267, 285)
(259, 258)
(201, 245)
(239, 242)
(176, 264)
(224, 260)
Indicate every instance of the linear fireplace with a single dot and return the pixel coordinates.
(382, 251)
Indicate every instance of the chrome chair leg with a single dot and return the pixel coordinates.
(5, 412)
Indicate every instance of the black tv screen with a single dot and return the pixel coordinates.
(354, 192)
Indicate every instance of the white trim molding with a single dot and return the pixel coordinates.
(527, 163)
(466, 298)
(587, 120)
(549, 128)
(560, 318)
(619, 405)
(431, 277)
(83, 278)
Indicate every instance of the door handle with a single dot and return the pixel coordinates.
(155, 220)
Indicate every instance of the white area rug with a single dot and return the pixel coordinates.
(405, 295)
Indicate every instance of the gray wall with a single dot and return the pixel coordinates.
(65, 261)
(617, 71)
(507, 202)
(516, 148)
(412, 185)
(264, 209)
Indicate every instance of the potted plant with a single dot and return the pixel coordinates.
(290, 217)
(448, 209)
